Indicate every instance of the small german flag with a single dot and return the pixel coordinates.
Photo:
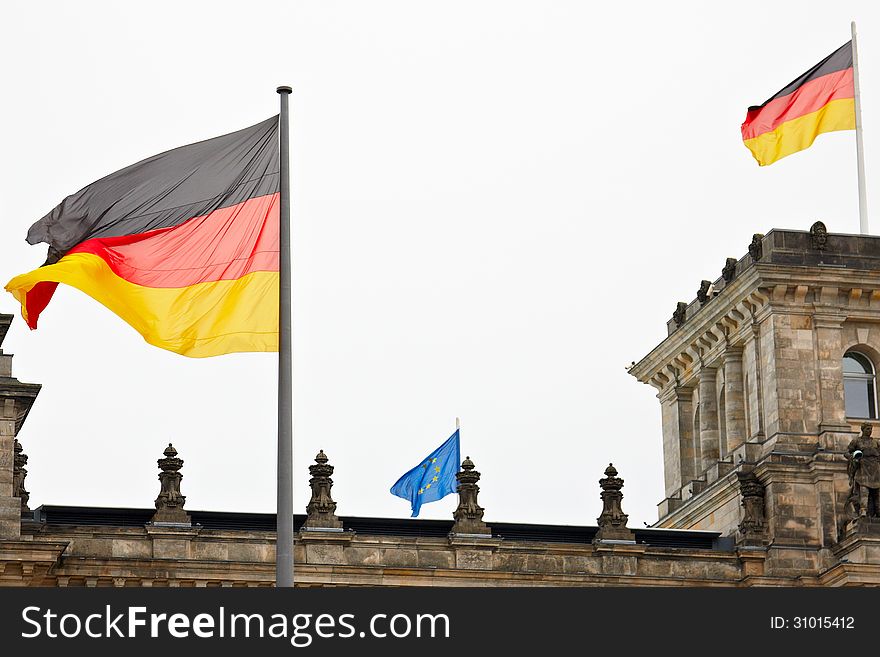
(820, 100)
(183, 246)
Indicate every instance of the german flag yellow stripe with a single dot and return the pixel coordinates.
(205, 319)
(798, 134)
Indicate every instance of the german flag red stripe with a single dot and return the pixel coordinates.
(810, 97)
(820, 100)
(183, 246)
(224, 245)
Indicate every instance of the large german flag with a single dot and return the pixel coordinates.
(820, 100)
(183, 246)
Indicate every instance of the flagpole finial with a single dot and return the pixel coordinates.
(284, 89)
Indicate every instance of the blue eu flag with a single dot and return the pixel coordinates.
(433, 478)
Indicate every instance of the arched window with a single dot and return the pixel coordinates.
(859, 386)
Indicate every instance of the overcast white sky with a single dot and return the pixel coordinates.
(496, 206)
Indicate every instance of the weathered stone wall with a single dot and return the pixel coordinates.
(115, 556)
(792, 366)
(130, 556)
(16, 399)
(777, 329)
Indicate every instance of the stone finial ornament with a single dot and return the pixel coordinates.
(704, 294)
(753, 527)
(169, 503)
(469, 515)
(680, 314)
(728, 273)
(819, 236)
(19, 473)
(321, 510)
(612, 521)
(756, 248)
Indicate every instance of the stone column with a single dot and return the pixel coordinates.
(829, 342)
(709, 445)
(752, 367)
(679, 449)
(734, 400)
(10, 506)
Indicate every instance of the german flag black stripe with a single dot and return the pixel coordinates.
(841, 59)
(167, 189)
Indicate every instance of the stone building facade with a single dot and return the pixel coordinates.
(768, 394)
(757, 410)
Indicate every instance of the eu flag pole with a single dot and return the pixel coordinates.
(284, 519)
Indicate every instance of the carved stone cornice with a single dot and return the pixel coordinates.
(475, 541)
(5, 323)
(831, 296)
(326, 535)
(21, 395)
(36, 558)
(717, 326)
(787, 271)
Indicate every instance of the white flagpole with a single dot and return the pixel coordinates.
(860, 148)
(284, 519)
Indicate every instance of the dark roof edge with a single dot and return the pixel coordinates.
(265, 522)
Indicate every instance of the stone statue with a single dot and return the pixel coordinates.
(863, 468)
(729, 271)
(19, 474)
(752, 530)
(819, 236)
(680, 314)
(756, 248)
